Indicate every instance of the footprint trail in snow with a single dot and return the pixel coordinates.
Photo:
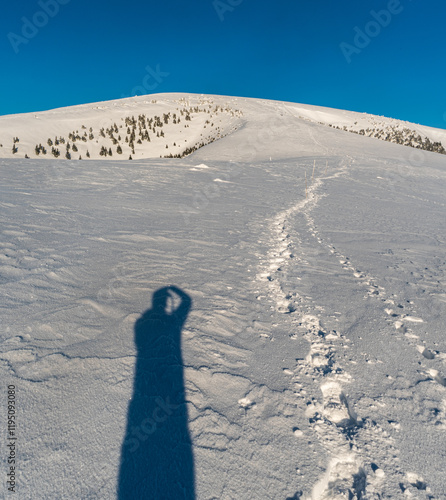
(362, 457)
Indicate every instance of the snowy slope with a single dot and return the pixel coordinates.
(174, 125)
(160, 127)
(313, 349)
(380, 127)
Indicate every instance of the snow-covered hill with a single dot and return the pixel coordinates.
(175, 125)
(379, 127)
(261, 319)
(162, 126)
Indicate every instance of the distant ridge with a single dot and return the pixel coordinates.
(176, 125)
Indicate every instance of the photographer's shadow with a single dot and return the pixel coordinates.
(156, 458)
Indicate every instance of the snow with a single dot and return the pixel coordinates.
(182, 124)
(299, 351)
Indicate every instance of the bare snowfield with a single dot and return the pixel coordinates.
(300, 351)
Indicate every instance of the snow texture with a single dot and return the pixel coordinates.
(262, 319)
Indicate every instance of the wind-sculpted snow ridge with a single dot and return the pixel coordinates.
(354, 444)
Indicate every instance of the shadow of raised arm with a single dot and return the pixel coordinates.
(183, 309)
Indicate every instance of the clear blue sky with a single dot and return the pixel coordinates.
(95, 50)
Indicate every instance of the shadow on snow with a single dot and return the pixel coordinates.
(156, 458)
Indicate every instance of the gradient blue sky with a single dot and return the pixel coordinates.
(95, 50)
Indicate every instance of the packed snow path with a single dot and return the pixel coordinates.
(314, 351)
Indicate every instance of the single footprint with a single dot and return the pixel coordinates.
(425, 352)
(435, 374)
(336, 406)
